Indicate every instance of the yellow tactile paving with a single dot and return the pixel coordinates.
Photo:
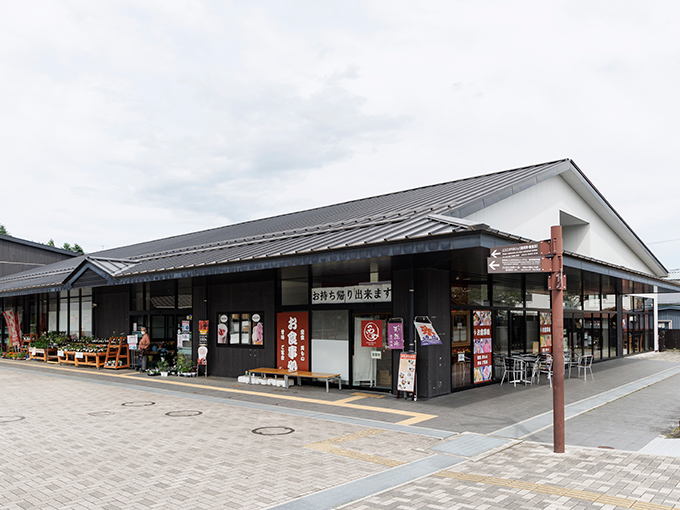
(557, 491)
(327, 447)
(414, 417)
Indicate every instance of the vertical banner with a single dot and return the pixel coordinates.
(481, 335)
(13, 327)
(546, 332)
(292, 341)
(407, 372)
(203, 332)
(372, 333)
(426, 332)
(395, 334)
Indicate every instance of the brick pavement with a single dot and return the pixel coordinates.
(77, 446)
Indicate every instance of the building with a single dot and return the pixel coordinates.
(298, 288)
(17, 255)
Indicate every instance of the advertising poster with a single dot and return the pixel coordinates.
(258, 330)
(203, 332)
(426, 332)
(12, 320)
(292, 341)
(407, 372)
(395, 334)
(546, 332)
(371, 333)
(222, 328)
(481, 335)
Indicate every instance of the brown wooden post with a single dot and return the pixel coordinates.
(557, 284)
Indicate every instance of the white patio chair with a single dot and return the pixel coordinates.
(585, 363)
(546, 368)
(536, 371)
(513, 371)
(570, 361)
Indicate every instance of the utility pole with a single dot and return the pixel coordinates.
(557, 283)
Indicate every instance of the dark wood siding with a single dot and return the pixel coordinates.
(433, 298)
(112, 312)
(17, 256)
(237, 296)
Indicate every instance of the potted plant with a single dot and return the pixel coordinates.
(184, 365)
(163, 367)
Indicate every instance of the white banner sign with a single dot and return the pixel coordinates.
(366, 293)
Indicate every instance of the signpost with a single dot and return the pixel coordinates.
(542, 257)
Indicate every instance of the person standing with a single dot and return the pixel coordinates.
(144, 347)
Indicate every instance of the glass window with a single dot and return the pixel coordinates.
(184, 294)
(537, 293)
(591, 291)
(294, 286)
(86, 316)
(74, 315)
(330, 342)
(533, 333)
(53, 308)
(162, 295)
(63, 314)
(572, 296)
(240, 329)
(466, 292)
(518, 338)
(507, 290)
(501, 345)
(608, 293)
(137, 296)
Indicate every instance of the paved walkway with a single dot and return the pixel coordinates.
(78, 438)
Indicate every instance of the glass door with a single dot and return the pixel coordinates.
(461, 348)
(372, 359)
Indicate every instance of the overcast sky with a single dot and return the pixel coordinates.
(122, 122)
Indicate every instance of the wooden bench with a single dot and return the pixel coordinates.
(299, 374)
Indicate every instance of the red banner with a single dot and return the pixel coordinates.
(292, 341)
(371, 333)
(13, 327)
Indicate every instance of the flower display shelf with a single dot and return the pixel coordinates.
(117, 353)
(48, 354)
(77, 358)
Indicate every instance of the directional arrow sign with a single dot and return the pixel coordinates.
(520, 250)
(518, 264)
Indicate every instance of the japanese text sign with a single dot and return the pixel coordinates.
(292, 341)
(481, 333)
(427, 334)
(371, 333)
(395, 335)
(367, 293)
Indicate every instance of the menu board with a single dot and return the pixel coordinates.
(407, 372)
(481, 335)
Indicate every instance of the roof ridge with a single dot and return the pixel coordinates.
(347, 202)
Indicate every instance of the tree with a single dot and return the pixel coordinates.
(50, 243)
(75, 248)
(3, 231)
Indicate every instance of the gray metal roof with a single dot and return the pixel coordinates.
(413, 214)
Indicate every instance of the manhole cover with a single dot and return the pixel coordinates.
(183, 413)
(137, 404)
(7, 419)
(273, 431)
(101, 413)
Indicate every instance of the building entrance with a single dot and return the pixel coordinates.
(372, 359)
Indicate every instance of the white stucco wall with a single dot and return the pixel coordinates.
(532, 212)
